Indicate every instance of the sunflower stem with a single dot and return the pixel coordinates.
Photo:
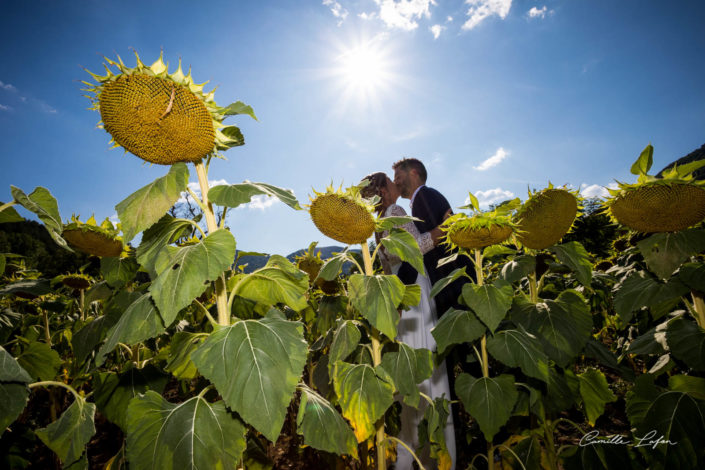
(220, 293)
(376, 360)
(483, 342)
(533, 288)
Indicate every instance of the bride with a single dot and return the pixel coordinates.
(415, 324)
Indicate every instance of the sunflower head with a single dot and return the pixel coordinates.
(481, 229)
(671, 203)
(98, 240)
(76, 281)
(311, 263)
(344, 216)
(546, 216)
(162, 117)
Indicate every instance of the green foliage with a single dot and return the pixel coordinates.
(69, 435)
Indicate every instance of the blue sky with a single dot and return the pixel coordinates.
(493, 95)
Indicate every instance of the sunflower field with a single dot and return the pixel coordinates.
(167, 354)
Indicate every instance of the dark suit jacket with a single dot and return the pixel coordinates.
(430, 206)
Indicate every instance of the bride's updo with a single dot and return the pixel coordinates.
(375, 183)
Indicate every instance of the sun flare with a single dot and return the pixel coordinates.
(364, 73)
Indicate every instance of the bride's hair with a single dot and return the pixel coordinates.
(375, 183)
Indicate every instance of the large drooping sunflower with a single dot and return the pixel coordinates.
(89, 237)
(344, 216)
(162, 117)
(671, 203)
(546, 216)
(481, 229)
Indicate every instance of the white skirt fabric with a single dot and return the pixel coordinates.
(415, 330)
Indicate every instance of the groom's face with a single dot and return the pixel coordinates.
(401, 179)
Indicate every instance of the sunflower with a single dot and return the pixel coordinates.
(98, 240)
(671, 203)
(344, 216)
(481, 229)
(162, 117)
(546, 217)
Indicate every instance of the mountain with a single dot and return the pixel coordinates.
(698, 154)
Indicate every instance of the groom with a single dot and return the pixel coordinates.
(431, 207)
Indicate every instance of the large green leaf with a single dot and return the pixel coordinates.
(184, 271)
(235, 195)
(651, 342)
(9, 214)
(401, 243)
(345, 340)
(664, 252)
(489, 400)
(674, 430)
(40, 361)
(191, 435)
(29, 287)
(640, 397)
(412, 296)
(408, 367)
(141, 209)
(693, 386)
(179, 362)
(363, 396)
(563, 390)
(455, 327)
(118, 271)
(279, 281)
(166, 231)
(10, 369)
(333, 265)
(113, 392)
(693, 275)
(322, 426)
(641, 290)
(68, 435)
(519, 267)
(517, 348)
(687, 342)
(489, 302)
(13, 391)
(44, 205)
(575, 256)
(595, 393)
(377, 298)
(563, 325)
(443, 283)
(140, 322)
(255, 365)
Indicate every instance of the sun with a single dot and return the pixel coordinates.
(363, 72)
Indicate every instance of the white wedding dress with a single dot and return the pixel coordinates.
(414, 329)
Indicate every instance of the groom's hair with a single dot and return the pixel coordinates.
(407, 164)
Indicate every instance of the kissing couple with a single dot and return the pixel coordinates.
(415, 325)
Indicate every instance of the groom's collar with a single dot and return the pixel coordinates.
(413, 196)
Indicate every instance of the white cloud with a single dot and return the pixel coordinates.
(261, 202)
(196, 188)
(494, 160)
(402, 14)
(337, 10)
(538, 12)
(595, 190)
(481, 9)
(436, 30)
(46, 108)
(491, 196)
(7, 86)
(367, 16)
(5, 108)
(449, 19)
